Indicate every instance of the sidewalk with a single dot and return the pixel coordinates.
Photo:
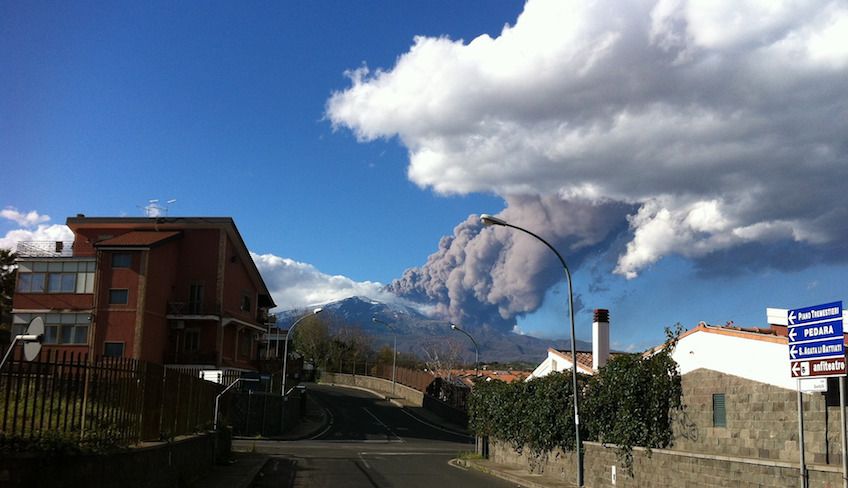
(512, 473)
(239, 473)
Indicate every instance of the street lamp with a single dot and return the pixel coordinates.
(489, 220)
(286, 348)
(476, 350)
(394, 355)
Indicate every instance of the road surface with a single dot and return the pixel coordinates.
(369, 443)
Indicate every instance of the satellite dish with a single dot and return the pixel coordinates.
(32, 344)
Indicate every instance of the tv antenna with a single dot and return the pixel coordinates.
(154, 209)
(31, 340)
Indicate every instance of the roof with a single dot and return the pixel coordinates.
(584, 358)
(776, 334)
(507, 376)
(767, 334)
(138, 238)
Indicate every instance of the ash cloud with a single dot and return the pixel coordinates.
(719, 127)
(486, 277)
(722, 123)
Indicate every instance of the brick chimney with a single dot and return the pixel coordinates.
(600, 338)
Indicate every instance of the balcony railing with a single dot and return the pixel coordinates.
(189, 308)
(53, 249)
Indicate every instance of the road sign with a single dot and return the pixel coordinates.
(817, 349)
(816, 342)
(817, 313)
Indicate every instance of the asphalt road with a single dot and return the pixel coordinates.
(370, 443)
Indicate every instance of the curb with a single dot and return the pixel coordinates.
(307, 435)
(248, 480)
(520, 481)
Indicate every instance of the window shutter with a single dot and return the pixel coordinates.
(719, 411)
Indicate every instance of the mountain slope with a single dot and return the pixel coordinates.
(415, 330)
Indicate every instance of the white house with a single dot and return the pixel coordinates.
(587, 362)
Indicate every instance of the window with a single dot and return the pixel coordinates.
(113, 349)
(118, 296)
(245, 302)
(61, 282)
(719, 411)
(59, 328)
(56, 277)
(31, 282)
(121, 260)
(244, 344)
(191, 340)
(195, 298)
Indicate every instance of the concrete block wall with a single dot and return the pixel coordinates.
(413, 396)
(663, 469)
(762, 421)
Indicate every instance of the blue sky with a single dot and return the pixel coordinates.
(341, 179)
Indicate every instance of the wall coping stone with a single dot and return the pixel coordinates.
(714, 457)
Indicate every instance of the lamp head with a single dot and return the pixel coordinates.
(453, 326)
(489, 220)
(317, 310)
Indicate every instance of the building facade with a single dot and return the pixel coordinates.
(181, 291)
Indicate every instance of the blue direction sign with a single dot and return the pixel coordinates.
(817, 349)
(818, 313)
(816, 343)
(814, 331)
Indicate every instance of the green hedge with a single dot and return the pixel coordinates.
(629, 402)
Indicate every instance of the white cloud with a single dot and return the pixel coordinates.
(28, 219)
(36, 229)
(723, 122)
(294, 284)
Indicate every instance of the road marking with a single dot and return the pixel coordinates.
(364, 461)
(434, 426)
(328, 427)
(384, 425)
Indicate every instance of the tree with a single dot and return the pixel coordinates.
(8, 274)
(442, 356)
(312, 339)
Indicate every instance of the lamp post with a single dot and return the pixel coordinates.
(286, 348)
(489, 220)
(476, 350)
(394, 354)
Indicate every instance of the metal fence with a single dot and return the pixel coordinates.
(112, 400)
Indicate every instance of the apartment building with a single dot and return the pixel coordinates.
(181, 291)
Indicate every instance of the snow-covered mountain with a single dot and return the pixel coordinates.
(414, 329)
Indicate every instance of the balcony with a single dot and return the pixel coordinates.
(189, 308)
(54, 249)
(263, 317)
(209, 358)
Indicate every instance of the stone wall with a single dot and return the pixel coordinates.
(762, 421)
(380, 385)
(757, 447)
(159, 465)
(664, 469)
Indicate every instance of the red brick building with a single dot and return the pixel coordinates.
(166, 290)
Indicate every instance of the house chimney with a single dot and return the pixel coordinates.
(600, 338)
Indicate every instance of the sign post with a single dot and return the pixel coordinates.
(817, 350)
